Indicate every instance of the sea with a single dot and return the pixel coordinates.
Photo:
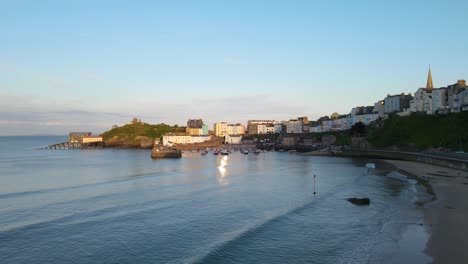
(121, 206)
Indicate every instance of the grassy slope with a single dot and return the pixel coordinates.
(423, 131)
(131, 131)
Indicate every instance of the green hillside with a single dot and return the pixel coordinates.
(131, 133)
(422, 131)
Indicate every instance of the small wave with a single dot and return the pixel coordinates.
(401, 177)
(119, 179)
(253, 229)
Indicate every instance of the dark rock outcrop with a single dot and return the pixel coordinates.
(359, 201)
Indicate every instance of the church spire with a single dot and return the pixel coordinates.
(429, 80)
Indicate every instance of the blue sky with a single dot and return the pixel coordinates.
(87, 65)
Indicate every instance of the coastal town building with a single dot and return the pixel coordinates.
(379, 108)
(397, 103)
(422, 101)
(235, 129)
(456, 96)
(439, 100)
(77, 137)
(294, 126)
(270, 129)
(305, 123)
(326, 123)
(183, 138)
(220, 129)
(196, 127)
(278, 128)
(315, 127)
(258, 126)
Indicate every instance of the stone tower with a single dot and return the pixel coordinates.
(429, 80)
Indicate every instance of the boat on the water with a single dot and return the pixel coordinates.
(257, 151)
(246, 152)
(224, 152)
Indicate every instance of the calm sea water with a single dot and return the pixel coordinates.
(120, 206)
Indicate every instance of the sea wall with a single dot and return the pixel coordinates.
(397, 155)
(165, 153)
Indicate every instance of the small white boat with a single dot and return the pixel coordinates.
(370, 165)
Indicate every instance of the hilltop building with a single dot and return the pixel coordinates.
(457, 96)
(397, 103)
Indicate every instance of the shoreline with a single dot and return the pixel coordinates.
(447, 214)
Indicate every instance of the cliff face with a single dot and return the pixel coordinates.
(137, 135)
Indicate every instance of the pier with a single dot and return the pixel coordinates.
(79, 140)
(75, 145)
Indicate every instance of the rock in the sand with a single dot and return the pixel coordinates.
(359, 201)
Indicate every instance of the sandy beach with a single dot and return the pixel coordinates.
(447, 215)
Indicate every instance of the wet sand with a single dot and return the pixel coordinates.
(446, 216)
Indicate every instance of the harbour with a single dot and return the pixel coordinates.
(199, 209)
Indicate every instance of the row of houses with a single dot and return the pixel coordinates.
(450, 99)
(429, 100)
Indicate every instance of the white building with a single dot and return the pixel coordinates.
(223, 128)
(235, 129)
(397, 103)
(439, 99)
(170, 139)
(422, 101)
(261, 128)
(379, 108)
(270, 129)
(294, 126)
(327, 125)
(220, 129)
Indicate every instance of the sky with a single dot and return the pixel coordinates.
(87, 65)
